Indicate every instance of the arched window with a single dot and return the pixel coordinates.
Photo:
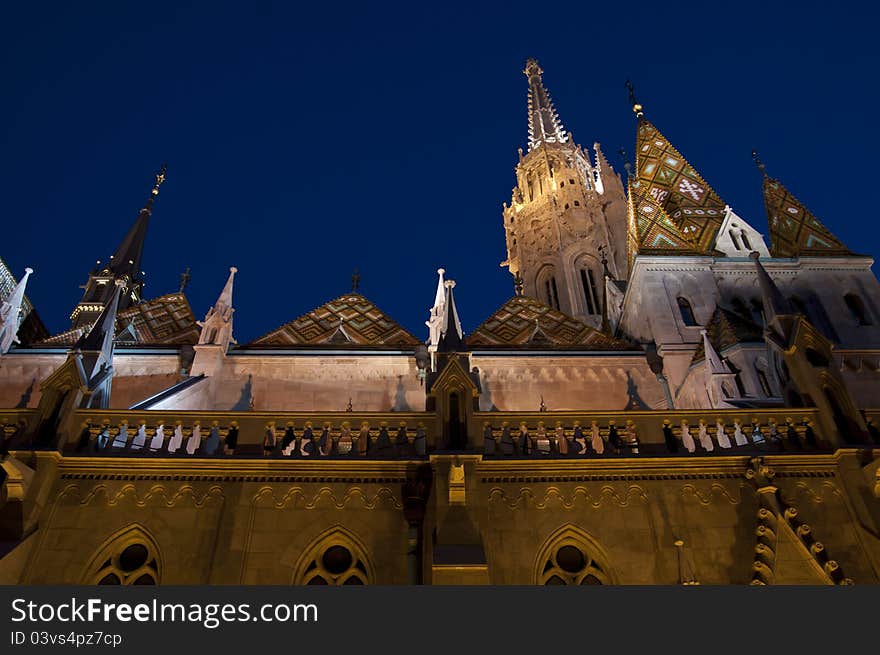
(740, 308)
(552, 292)
(336, 559)
(591, 293)
(745, 240)
(687, 312)
(130, 558)
(757, 311)
(572, 558)
(857, 309)
(734, 239)
(764, 382)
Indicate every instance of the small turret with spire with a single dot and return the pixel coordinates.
(124, 265)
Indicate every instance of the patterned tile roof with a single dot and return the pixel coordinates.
(651, 231)
(350, 320)
(527, 323)
(794, 230)
(165, 320)
(675, 186)
(727, 328)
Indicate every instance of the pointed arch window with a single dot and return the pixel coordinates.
(734, 239)
(686, 311)
(572, 559)
(745, 240)
(857, 309)
(591, 294)
(552, 292)
(336, 560)
(740, 308)
(757, 309)
(130, 559)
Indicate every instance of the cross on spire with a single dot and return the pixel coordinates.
(184, 279)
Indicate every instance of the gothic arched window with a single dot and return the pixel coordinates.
(745, 240)
(740, 308)
(857, 309)
(734, 239)
(591, 293)
(335, 560)
(571, 558)
(757, 311)
(128, 559)
(686, 311)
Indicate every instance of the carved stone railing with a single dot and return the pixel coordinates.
(379, 435)
(255, 434)
(648, 433)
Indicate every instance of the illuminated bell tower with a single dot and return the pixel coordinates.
(566, 215)
(124, 266)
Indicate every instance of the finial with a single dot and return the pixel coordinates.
(518, 284)
(449, 284)
(185, 277)
(543, 407)
(349, 408)
(28, 270)
(758, 162)
(754, 255)
(532, 67)
(355, 280)
(160, 177)
(441, 271)
(636, 107)
(603, 257)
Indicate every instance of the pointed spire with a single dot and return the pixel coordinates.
(435, 319)
(10, 312)
(99, 339)
(126, 261)
(775, 304)
(544, 123)
(678, 188)
(452, 337)
(217, 326)
(713, 361)
(794, 230)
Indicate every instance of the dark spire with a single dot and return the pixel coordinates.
(451, 339)
(126, 261)
(185, 277)
(775, 304)
(759, 163)
(97, 344)
(355, 281)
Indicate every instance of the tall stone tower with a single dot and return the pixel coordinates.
(566, 215)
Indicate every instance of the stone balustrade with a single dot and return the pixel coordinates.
(415, 434)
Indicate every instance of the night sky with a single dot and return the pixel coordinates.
(305, 141)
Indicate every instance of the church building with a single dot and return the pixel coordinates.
(668, 397)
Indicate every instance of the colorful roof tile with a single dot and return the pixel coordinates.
(794, 230)
(651, 231)
(528, 323)
(674, 185)
(348, 320)
(166, 320)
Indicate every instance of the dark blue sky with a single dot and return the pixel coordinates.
(303, 142)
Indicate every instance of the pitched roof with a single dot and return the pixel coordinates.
(165, 320)
(349, 319)
(794, 230)
(524, 322)
(673, 184)
(725, 329)
(650, 230)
